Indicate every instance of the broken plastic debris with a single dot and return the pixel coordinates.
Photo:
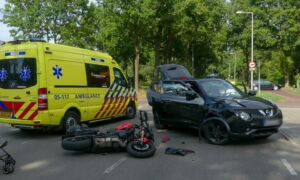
(178, 151)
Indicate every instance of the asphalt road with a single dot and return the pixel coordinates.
(40, 156)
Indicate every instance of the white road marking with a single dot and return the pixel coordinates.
(114, 166)
(289, 167)
(34, 165)
(24, 142)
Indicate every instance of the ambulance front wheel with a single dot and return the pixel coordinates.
(130, 111)
(71, 119)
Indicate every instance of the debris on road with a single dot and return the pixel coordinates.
(178, 151)
(164, 138)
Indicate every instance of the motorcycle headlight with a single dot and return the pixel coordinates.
(244, 116)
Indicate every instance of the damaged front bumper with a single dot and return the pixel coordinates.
(260, 132)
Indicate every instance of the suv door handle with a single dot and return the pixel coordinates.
(17, 97)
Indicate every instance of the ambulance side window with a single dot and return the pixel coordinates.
(119, 78)
(97, 75)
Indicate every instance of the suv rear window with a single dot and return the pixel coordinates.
(17, 73)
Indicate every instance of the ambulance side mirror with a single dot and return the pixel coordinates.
(130, 82)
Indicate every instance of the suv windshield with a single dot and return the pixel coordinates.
(220, 89)
(17, 73)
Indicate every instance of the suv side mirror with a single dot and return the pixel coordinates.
(251, 93)
(190, 95)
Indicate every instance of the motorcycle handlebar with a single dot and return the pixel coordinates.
(143, 116)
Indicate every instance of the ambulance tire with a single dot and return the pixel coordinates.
(130, 111)
(70, 119)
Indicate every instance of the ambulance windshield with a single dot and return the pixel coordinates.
(17, 73)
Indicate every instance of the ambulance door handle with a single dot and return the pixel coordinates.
(28, 92)
(17, 97)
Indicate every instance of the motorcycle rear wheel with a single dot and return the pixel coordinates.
(135, 149)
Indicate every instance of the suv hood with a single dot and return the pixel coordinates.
(249, 103)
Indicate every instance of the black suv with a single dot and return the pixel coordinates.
(218, 109)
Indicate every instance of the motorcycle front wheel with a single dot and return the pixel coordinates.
(140, 150)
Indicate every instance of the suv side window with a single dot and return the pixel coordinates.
(119, 78)
(97, 75)
(174, 89)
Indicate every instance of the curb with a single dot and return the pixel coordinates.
(288, 137)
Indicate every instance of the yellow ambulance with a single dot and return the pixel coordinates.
(52, 85)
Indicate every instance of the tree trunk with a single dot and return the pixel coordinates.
(170, 42)
(246, 75)
(157, 52)
(285, 63)
(136, 66)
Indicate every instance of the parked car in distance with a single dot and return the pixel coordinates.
(265, 85)
(218, 109)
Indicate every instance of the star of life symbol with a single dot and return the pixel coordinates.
(3, 75)
(57, 71)
(25, 74)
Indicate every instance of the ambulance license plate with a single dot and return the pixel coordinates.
(5, 114)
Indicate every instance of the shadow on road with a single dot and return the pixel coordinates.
(185, 133)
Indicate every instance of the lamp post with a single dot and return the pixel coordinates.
(234, 74)
(229, 71)
(242, 12)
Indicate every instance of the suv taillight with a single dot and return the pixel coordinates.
(43, 100)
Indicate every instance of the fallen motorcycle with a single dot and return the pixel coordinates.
(9, 162)
(136, 139)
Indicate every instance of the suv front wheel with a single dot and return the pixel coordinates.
(215, 132)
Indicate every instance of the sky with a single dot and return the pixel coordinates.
(4, 30)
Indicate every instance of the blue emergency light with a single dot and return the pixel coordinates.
(20, 53)
(97, 59)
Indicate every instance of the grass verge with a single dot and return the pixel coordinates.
(268, 95)
(294, 91)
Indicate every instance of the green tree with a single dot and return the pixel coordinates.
(48, 19)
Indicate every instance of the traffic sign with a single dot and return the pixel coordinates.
(252, 64)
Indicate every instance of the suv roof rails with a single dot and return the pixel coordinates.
(17, 41)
